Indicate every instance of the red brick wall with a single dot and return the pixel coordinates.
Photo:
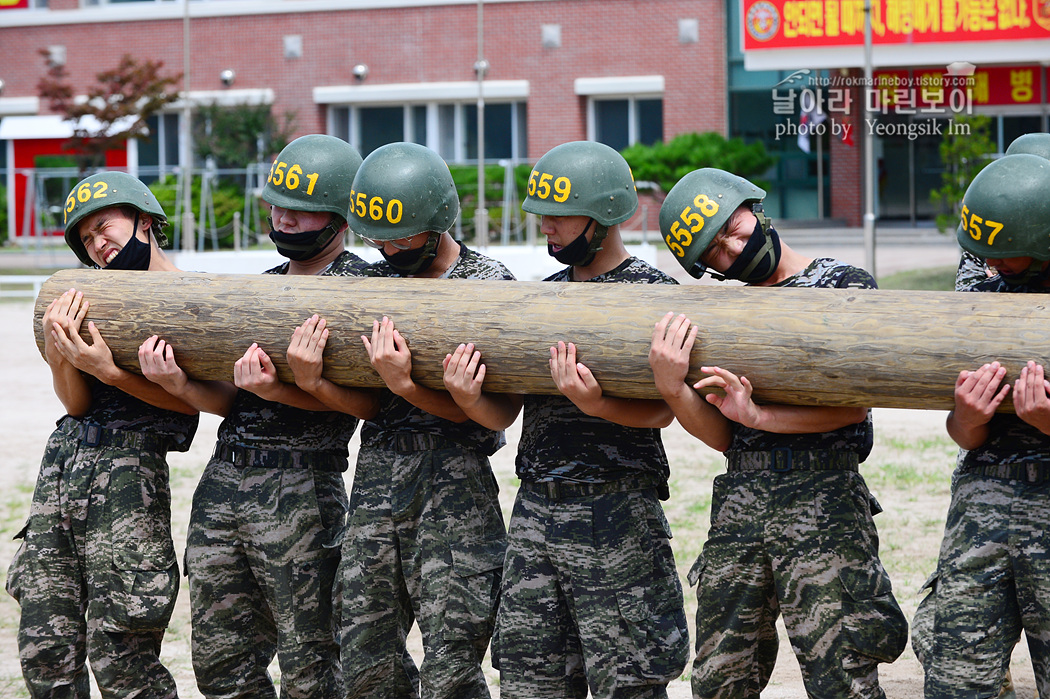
(847, 163)
(421, 44)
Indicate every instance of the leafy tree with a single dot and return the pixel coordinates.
(227, 199)
(241, 134)
(132, 93)
(666, 163)
(965, 150)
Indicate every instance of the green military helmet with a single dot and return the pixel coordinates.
(1006, 209)
(102, 191)
(401, 190)
(697, 207)
(582, 178)
(313, 173)
(1031, 143)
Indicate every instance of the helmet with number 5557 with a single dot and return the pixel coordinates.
(697, 207)
(582, 178)
(1006, 210)
(1031, 143)
(102, 191)
(313, 173)
(401, 190)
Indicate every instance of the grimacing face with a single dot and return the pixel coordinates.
(729, 242)
(104, 233)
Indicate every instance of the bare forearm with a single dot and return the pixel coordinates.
(147, 391)
(966, 436)
(631, 412)
(436, 403)
(699, 418)
(496, 411)
(72, 388)
(361, 403)
(795, 419)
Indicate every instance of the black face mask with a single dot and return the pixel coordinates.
(302, 246)
(759, 258)
(416, 260)
(580, 252)
(134, 255)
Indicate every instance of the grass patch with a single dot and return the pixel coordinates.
(932, 279)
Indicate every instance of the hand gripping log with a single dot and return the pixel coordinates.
(848, 347)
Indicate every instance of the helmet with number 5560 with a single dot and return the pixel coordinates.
(401, 190)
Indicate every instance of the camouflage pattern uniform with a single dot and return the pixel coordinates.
(262, 547)
(591, 597)
(993, 572)
(792, 532)
(96, 575)
(972, 270)
(425, 542)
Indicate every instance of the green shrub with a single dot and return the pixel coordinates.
(666, 163)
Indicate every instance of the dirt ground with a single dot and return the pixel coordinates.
(908, 471)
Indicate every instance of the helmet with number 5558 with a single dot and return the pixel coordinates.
(101, 191)
(401, 190)
(1006, 209)
(313, 173)
(582, 178)
(697, 207)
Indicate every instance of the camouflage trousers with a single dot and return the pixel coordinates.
(591, 599)
(801, 543)
(992, 582)
(425, 543)
(262, 552)
(96, 575)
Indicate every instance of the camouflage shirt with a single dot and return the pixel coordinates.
(116, 410)
(398, 415)
(821, 273)
(560, 442)
(972, 270)
(257, 423)
(1011, 440)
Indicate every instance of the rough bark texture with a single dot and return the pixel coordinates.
(900, 349)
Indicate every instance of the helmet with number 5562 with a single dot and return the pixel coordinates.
(697, 207)
(101, 191)
(401, 190)
(1006, 210)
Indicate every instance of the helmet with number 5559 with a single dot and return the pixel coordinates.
(1006, 210)
(313, 173)
(697, 207)
(401, 190)
(582, 178)
(102, 191)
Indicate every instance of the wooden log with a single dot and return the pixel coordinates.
(845, 347)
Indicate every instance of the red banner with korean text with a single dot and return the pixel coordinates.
(778, 24)
(903, 90)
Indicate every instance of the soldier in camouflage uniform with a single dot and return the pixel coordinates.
(591, 596)
(791, 521)
(268, 515)
(96, 575)
(994, 564)
(425, 538)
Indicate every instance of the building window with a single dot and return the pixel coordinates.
(619, 123)
(160, 154)
(451, 129)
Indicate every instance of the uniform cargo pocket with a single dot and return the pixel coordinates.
(144, 585)
(473, 591)
(872, 620)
